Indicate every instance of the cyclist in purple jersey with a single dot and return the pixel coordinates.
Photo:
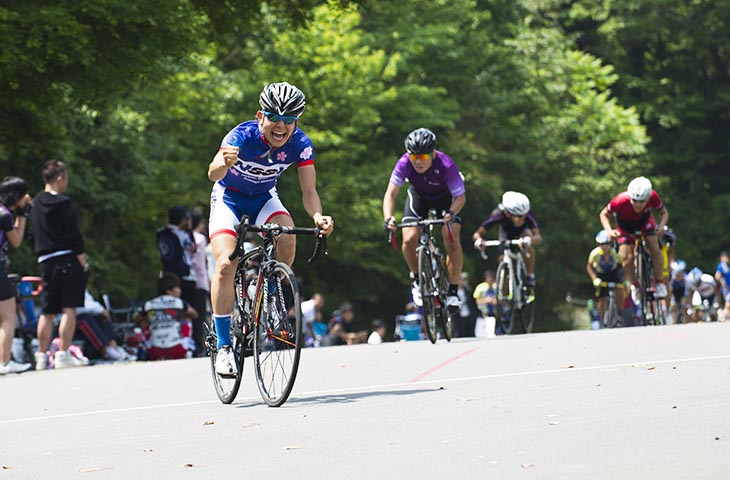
(515, 220)
(245, 171)
(436, 183)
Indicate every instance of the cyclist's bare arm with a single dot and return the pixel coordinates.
(605, 218)
(310, 199)
(663, 219)
(478, 236)
(222, 161)
(389, 203)
(534, 234)
(457, 204)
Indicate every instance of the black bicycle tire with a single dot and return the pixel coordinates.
(610, 316)
(507, 326)
(427, 298)
(23, 334)
(446, 318)
(263, 352)
(526, 312)
(227, 396)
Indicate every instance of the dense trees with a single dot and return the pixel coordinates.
(564, 100)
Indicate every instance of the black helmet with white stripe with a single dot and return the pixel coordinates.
(421, 140)
(282, 99)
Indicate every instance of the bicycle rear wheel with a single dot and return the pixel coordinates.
(505, 308)
(278, 336)
(610, 317)
(429, 293)
(227, 387)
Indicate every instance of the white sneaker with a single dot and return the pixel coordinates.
(13, 367)
(453, 302)
(225, 362)
(416, 294)
(661, 290)
(41, 360)
(63, 359)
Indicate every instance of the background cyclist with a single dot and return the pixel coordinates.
(679, 289)
(435, 183)
(705, 292)
(633, 212)
(667, 241)
(722, 275)
(605, 265)
(515, 220)
(251, 158)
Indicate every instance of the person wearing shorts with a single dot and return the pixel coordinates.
(435, 184)
(59, 246)
(13, 198)
(245, 170)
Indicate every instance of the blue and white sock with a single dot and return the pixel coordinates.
(223, 328)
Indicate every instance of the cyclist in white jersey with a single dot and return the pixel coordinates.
(251, 158)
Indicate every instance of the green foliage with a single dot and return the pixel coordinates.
(556, 99)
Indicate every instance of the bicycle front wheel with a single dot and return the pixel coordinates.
(227, 387)
(278, 336)
(526, 312)
(505, 308)
(445, 316)
(429, 293)
(610, 318)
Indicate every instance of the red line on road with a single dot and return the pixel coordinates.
(441, 365)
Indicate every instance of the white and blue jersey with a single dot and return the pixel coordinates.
(259, 165)
(249, 187)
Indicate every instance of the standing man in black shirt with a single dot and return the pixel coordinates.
(60, 249)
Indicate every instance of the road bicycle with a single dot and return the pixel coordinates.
(612, 316)
(653, 311)
(266, 322)
(433, 279)
(515, 307)
(26, 318)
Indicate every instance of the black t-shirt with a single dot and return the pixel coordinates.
(7, 223)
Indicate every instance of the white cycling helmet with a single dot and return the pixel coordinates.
(679, 265)
(639, 189)
(694, 275)
(516, 203)
(602, 237)
(282, 99)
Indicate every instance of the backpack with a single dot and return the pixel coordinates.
(171, 253)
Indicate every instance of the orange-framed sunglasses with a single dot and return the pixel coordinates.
(419, 156)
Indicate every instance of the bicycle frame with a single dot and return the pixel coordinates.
(519, 306)
(433, 292)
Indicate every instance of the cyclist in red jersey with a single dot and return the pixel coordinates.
(633, 212)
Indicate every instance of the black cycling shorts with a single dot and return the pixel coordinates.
(417, 207)
(64, 284)
(6, 289)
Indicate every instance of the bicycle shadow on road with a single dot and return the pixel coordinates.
(345, 397)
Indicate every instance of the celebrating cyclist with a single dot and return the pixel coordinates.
(436, 183)
(515, 220)
(605, 265)
(245, 170)
(633, 212)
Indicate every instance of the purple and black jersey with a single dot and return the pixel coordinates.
(7, 223)
(442, 178)
(259, 165)
(506, 226)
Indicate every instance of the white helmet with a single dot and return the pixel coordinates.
(282, 99)
(639, 189)
(516, 203)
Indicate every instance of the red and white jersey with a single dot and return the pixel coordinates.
(620, 206)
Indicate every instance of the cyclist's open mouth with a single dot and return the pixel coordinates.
(278, 136)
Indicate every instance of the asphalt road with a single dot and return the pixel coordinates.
(649, 402)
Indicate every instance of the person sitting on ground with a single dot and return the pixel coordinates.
(166, 322)
(378, 332)
(94, 326)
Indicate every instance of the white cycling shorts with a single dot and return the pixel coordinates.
(227, 207)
